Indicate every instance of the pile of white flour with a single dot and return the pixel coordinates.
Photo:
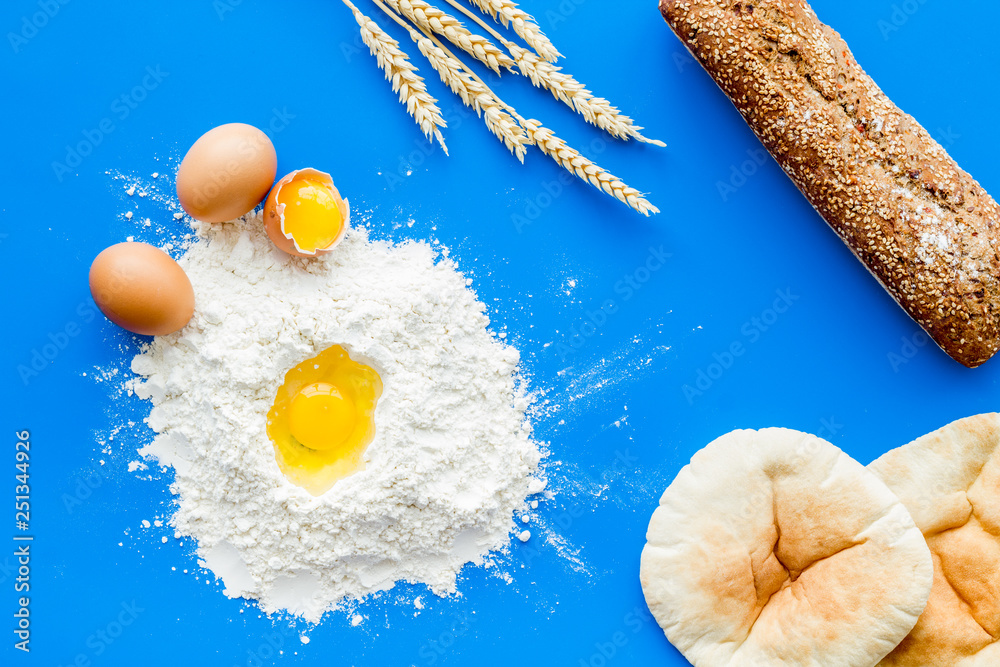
(452, 458)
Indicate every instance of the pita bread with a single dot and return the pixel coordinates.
(776, 548)
(950, 481)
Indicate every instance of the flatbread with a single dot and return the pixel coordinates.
(950, 481)
(775, 548)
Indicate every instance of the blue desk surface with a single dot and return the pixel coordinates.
(841, 360)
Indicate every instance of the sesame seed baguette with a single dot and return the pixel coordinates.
(923, 227)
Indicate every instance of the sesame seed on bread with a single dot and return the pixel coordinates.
(923, 227)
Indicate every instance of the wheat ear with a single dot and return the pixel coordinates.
(571, 160)
(504, 121)
(542, 74)
(431, 19)
(595, 110)
(403, 76)
(509, 14)
(475, 95)
(470, 88)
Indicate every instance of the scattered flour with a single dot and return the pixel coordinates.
(453, 458)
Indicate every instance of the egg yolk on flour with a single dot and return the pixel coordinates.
(311, 214)
(323, 418)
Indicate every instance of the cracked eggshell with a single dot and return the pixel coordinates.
(274, 214)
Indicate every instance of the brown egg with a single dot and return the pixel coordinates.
(305, 215)
(226, 173)
(141, 289)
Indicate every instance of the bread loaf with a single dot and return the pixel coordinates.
(925, 228)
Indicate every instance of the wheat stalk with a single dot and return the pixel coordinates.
(431, 19)
(403, 76)
(509, 14)
(595, 110)
(542, 74)
(571, 160)
(475, 95)
(501, 118)
(469, 87)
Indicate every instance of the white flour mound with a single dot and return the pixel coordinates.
(452, 456)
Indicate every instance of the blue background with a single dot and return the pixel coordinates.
(839, 362)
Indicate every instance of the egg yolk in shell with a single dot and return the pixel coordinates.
(322, 419)
(310, 215)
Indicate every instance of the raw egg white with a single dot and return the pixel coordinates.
(305, 215)
(226, 173)
(141, 289)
